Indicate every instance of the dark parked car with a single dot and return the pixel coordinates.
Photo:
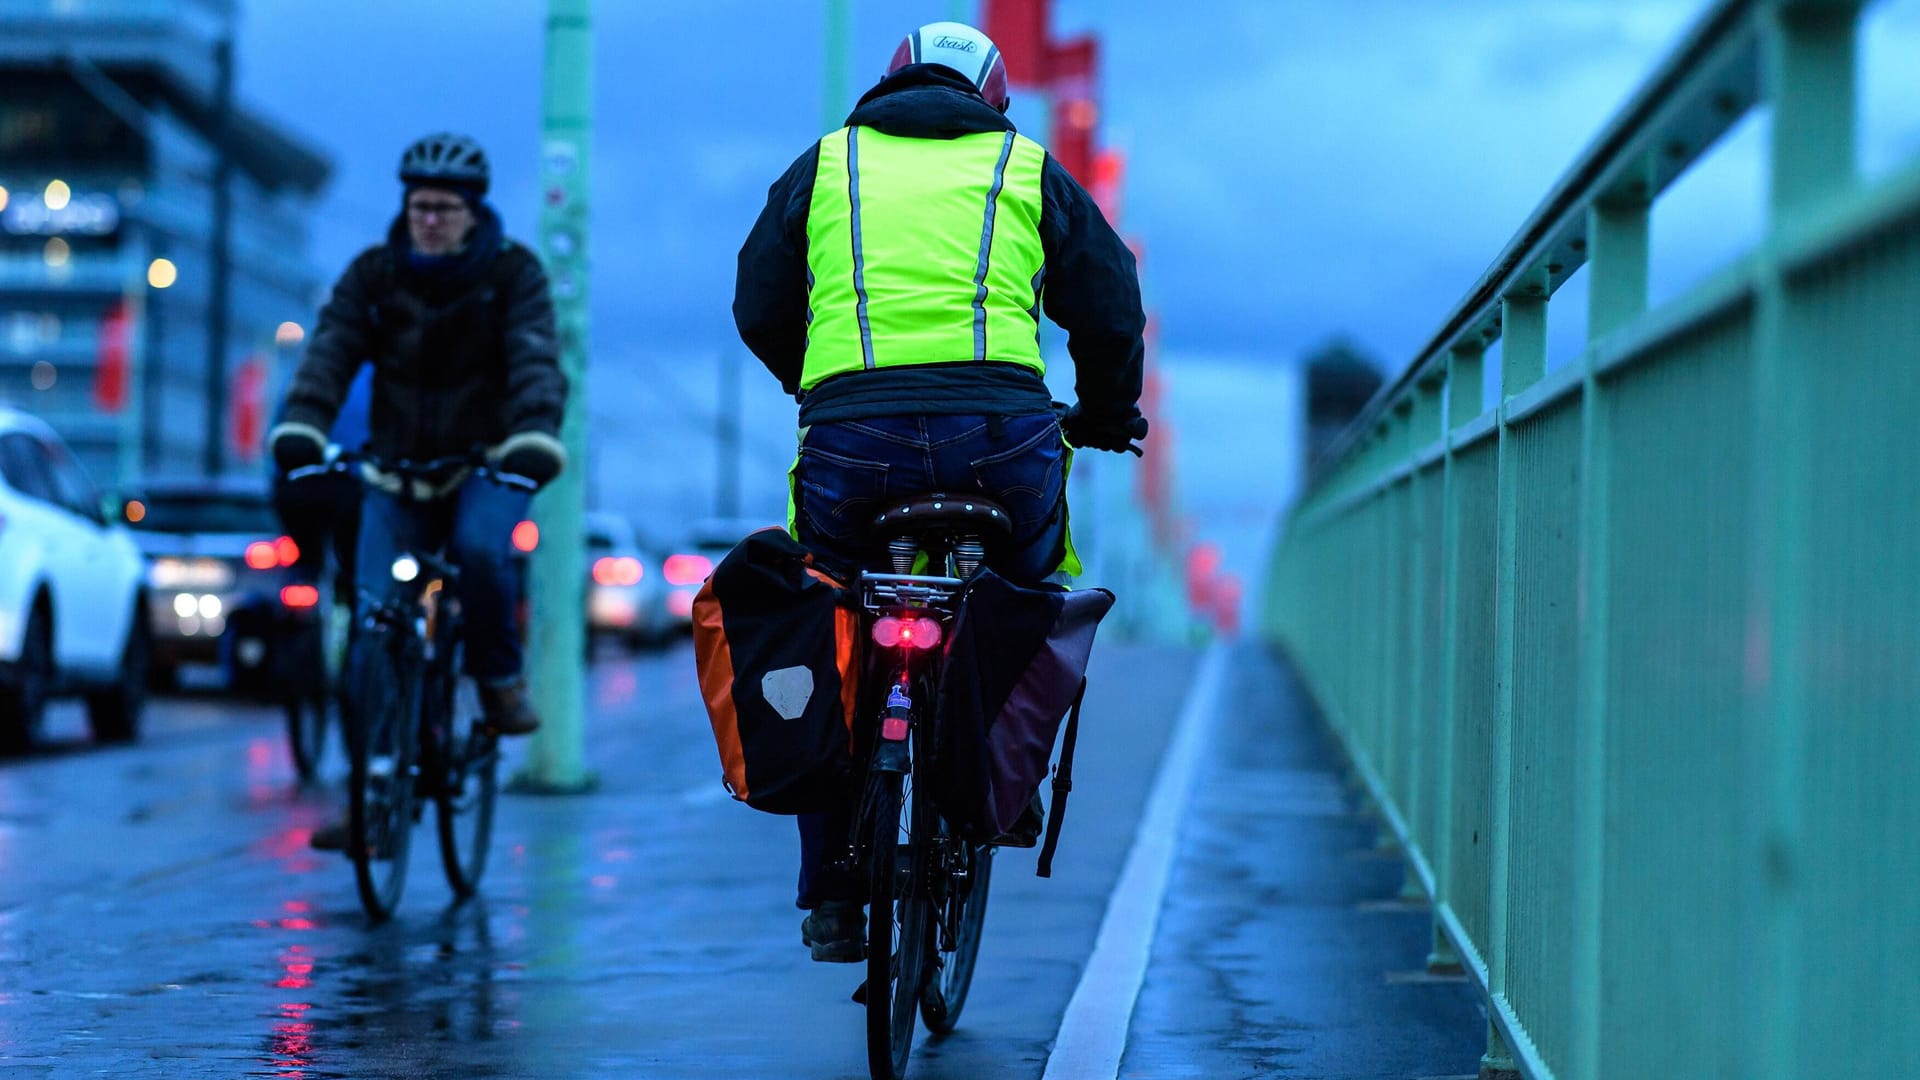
(222, 588)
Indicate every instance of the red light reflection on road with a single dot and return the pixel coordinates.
(292, 1044)
(298, 965)
(616, 687)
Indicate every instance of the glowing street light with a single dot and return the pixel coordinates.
(161, 273)
(3, 197)
(58, 195)
(289, 333)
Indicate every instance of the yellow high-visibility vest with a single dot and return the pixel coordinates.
(923, 251)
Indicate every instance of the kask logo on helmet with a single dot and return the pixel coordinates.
(962, 44)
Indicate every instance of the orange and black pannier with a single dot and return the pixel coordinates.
(775, 635)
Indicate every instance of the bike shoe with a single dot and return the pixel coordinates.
(836, 931)
(508, 712)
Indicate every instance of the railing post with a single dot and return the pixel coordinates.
(1523, 338)
(1810, 67)
(1523, 361)
(1497, 1062)
(1810, 57)
(1426, 429)
(1466, 367)
(1466, 378)
(1617, 236)
(1616, 264)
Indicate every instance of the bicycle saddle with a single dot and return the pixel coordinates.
(946, 513)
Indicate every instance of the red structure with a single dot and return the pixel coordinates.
(1069, 72)
(111, 366)
(1019, 27)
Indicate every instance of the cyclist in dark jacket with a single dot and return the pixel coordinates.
(458, 326)
(893, 284)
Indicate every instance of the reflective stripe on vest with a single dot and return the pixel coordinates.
(923, 251)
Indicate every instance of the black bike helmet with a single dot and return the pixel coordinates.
(446, 158)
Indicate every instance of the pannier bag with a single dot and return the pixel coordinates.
(775, 641)
(1016, 666)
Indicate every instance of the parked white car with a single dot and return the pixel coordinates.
(626, 598)
(72, 618)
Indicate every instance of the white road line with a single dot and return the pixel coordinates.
(1093, 1033)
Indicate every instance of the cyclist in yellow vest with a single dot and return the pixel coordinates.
(894, 284)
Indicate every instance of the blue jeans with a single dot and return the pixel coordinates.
(475, 527)
(850, 470)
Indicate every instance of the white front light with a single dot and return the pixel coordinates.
(209, 607)
(185, 605)
(405, 568)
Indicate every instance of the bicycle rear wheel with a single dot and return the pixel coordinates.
(947, 986)
(380, 804)
(468, 787)
(899, 931)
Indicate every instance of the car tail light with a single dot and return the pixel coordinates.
(262, 556)
(909, 632)
(526, 537)
(686, 569)
(617, 570)
(299, 596)
(285, 551)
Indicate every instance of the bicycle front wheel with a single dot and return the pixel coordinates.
(966, 916)
(381, 788)
(899, 932)
(307, 709)
(468, 788)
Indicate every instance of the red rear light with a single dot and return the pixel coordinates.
(686, 569)
(285, 551)
(262, 556)
(526, 537)
(617, 570)
(299, 596)
(911, 633)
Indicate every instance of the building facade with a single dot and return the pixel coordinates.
(118, 138)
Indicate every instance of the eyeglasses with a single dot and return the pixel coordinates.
(441, 210)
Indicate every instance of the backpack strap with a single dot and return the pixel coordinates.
(1062, 785)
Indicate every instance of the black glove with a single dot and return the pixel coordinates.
(533, 454)
(296, 446)
(1112, 433)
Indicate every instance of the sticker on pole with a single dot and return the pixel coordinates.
(559, 158)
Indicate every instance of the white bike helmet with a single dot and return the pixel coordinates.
(960, 48)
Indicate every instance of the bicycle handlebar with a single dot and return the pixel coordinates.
(428, 470)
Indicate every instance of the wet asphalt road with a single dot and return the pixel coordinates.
(161, 915)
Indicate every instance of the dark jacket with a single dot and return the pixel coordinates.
(1091, 287)
(464, 352)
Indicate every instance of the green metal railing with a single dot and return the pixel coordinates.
(1630, 657)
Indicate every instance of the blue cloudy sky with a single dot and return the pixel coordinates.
(1298, 168)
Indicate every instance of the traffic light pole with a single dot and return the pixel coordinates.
(556, 759)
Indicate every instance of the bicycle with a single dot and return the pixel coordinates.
(311, 682)
(413, 736)
(927, 885)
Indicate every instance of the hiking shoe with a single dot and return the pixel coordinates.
(836, 931)
(331, 837)
(507, 710)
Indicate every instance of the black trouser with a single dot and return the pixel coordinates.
(848, 473)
